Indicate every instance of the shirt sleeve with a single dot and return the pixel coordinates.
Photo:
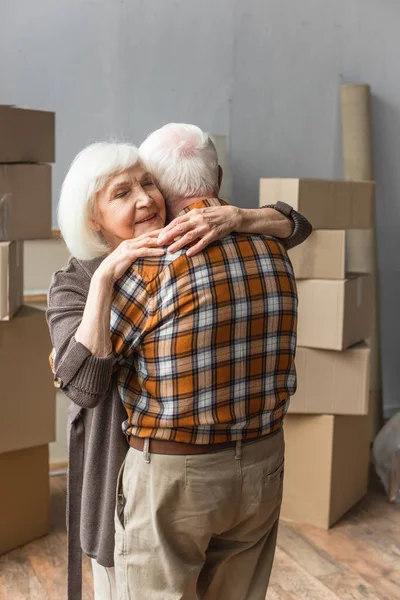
(302, 226)
(130, 312)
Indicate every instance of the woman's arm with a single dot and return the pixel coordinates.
(279, 220)
(84, 377)
(79, 321)
(216, 222)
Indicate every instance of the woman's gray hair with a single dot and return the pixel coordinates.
(183, 160)
(87, 175)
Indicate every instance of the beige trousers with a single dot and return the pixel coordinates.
(199, 526)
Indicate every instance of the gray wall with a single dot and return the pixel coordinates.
(290, 58)
(266, 72)
(115, 68)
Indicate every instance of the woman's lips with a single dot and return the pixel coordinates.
(147, 219)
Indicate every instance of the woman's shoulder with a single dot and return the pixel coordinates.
(75, 275)
(80, 268)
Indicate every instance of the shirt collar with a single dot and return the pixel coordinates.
(202, 204)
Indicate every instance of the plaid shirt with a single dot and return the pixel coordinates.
(206, 344)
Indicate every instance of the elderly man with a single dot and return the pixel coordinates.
(212, 338)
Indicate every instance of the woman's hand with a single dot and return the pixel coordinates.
(216, 222)
(116, 263)
(205, 224)
(94, 329)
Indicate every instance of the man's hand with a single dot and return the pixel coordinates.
(203, 224)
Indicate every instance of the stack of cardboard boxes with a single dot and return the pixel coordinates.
(327, 428)
(27, 396)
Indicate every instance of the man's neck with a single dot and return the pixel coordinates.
(182, 203)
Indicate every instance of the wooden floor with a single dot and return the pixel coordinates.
(359, 559)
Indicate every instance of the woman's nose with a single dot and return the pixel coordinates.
(143, 200)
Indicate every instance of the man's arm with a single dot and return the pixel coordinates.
(216, 222)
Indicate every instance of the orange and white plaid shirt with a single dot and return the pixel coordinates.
(206, 345)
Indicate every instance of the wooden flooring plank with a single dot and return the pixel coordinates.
(48, 556)
(304, 552)
(376, 509)
(349, 586)
(48, 561)
(384, 543)
(18, 580)
(359, 559)
(297, 582)
(275, 592)
(355, 556)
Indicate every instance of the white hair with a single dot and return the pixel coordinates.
(87, 175)
(183, 160)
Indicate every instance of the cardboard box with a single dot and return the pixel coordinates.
(321, 256)
(25, 207)
(11, 279)
(331, 254)
(27, 407)
(360, 251)
(327, 204)
(26, 135)
(25, 497)
(334, 314)
(41, 259)
(326, 467)
(58, 450)
(331, 382)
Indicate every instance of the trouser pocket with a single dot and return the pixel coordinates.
(120, 500)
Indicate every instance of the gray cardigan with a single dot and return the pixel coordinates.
(97, 446)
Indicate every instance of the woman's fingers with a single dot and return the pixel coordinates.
(193, 221)
(144, 251)
(177, 221)
(149, 241)
(203, 243)
(129, 256)
(151, 251)
(175, 229)
(191, 235)
(151, 234)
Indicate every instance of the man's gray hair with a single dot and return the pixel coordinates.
(183, 160)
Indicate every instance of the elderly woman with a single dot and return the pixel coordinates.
(110, 214)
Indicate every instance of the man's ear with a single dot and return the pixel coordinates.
(220, 174)
(93, 224)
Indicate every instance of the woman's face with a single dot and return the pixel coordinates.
(129, 205)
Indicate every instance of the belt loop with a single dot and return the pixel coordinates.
(146, 451)
(238, 454)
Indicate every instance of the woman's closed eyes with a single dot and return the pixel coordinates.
(122, 194)
(148, 183)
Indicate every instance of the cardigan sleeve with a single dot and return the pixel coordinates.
(84, 378)
(302, 226)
